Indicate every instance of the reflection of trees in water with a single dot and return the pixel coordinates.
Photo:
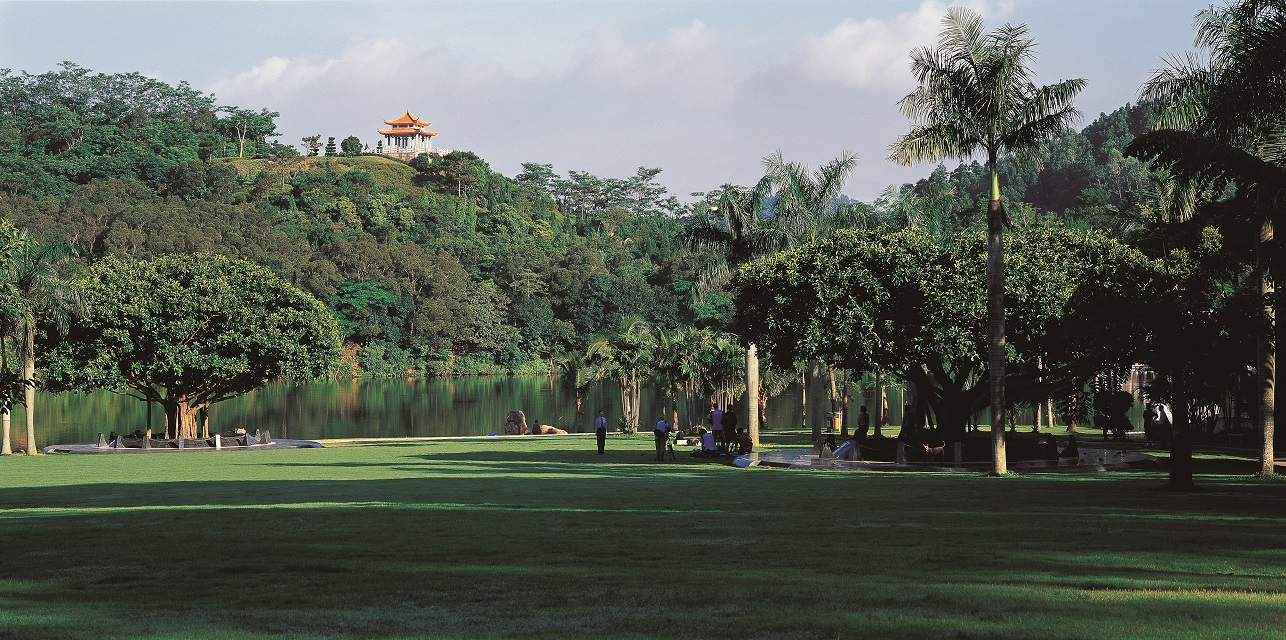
(361, 408)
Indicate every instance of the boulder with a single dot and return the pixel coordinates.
(516, 424)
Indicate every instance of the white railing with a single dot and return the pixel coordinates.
(410, 151)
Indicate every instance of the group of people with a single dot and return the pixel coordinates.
(723, 436)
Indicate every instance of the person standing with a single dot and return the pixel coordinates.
(863, 424)
(600, 430)
(661, 432)
(716, 425)
(730, 425)
(1163, 423)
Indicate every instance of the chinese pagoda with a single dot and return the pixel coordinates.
(407, 137)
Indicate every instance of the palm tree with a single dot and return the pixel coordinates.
(807, 202)
(626, 356)
(672, 365)
(931, 212)
(976, 97)
(738, 229)
(1225, 120)
(576, 376)
(42, 293)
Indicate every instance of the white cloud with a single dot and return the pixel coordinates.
(686, 62)
(874, 53)
(705, 104)
(272, 78)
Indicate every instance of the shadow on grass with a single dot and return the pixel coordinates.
(454, 544)
(412, 556)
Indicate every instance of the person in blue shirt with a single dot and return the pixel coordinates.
(600, 430)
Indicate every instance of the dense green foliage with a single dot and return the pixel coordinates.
(442, 266)
(897, 301)
(189, 331)
(445, 266)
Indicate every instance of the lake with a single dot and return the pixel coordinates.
(417, 407)
(469, 406)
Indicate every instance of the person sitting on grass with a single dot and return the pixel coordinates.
(708, 447)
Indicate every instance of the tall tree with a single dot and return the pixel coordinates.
(805, 204)
(38, 271)
(976, 97)
(1225, 120)
(247, 125)
(312, 144)
(625, 355)
(738, 230)
(806, 199)
(187, 331)
(11, 240)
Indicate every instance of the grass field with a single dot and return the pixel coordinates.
(542, 538)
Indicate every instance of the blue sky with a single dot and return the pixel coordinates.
(703, 90)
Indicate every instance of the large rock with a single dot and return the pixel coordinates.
(546, 430)
(516, 424)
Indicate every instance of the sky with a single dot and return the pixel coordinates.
(703, 90)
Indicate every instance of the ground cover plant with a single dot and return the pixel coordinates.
(541, 537)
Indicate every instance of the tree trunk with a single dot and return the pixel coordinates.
(834, 414)
(843, 410)
(180, 419)
(6, 414)
(996, 323)
(674, 408)
(1180, 439)
(910, 411)
(1040, 380)
(815, 407)
(881, 404)
(1266, 350)
(803, 399)
(752, 394)
(630, 393)
(29, 394)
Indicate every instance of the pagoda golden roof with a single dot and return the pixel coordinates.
(408, 119)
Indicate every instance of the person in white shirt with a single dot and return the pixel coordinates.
(716, 424)
(708, 446)
(661, 432)
(600, 430)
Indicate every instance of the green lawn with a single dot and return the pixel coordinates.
(542, 538)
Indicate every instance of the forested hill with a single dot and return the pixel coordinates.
(1081, 176)
(441, 265)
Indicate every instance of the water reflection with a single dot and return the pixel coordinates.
(392, 408)
(361, 409)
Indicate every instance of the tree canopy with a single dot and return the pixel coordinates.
(896, 301)
(189, 331)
